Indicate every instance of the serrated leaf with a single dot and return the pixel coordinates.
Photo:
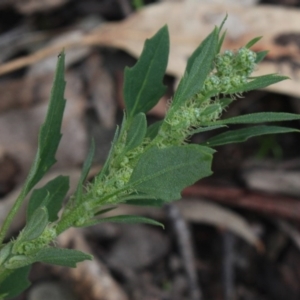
(130, 219)
(241, 135)
(153, 129)
(85, 171)
(143, 85)
(253, 42)
(198, 67)
(260, 117)
(49, 135)
(15, 283)
(51, 196)
(136, 132)
(164, 173)
(258, 83)
(260, 56)
(35, 225)
(61, 257)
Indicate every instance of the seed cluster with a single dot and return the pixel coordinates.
(231, 70)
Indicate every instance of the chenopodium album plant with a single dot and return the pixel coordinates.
(147, 165)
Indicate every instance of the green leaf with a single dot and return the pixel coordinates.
(50, 196)
(225, 102)
(35, 225)
(258, 83)
(85, 171)
(253, 41)
(130, 219)
(49, 138)
(241, 135)
(143, 85)
(145, 202)
(105, 210)
(5, 252)
(260, 56)
(15, 283)
(221, 40)
(153, 129)
(207, 128)
(49, 135)
(61, 257)
(105, 167)
(164, 173)
(142, 200)
(260, 117)
(136, 132)
(198, 67)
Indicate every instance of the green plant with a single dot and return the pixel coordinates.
(146, 165)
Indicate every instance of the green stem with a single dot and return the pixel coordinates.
(8, 220)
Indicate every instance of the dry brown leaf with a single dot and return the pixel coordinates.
(189, 22)
(91, 279)
(100, 87)
(201, 211)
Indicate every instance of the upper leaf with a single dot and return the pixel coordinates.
(258, 83)
(260, 117)
(198, 67)
(253, 42)
(164, 173)
(143, 85)
(153, 129)
(260, 56)
(241, 135)
(136, 132)
(51, 196)
(49, 135)
(35, 225)
(85, 171)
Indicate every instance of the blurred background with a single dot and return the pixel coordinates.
(233, 236)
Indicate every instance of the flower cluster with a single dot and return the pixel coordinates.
(29, 247)
(231, 71)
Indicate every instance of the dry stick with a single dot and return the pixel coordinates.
(97, 37)
(91, 279)
(125, 7)
(186, 250)
(228, 241)
(274, 205)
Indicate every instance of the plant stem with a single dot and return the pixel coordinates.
(8, 220)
